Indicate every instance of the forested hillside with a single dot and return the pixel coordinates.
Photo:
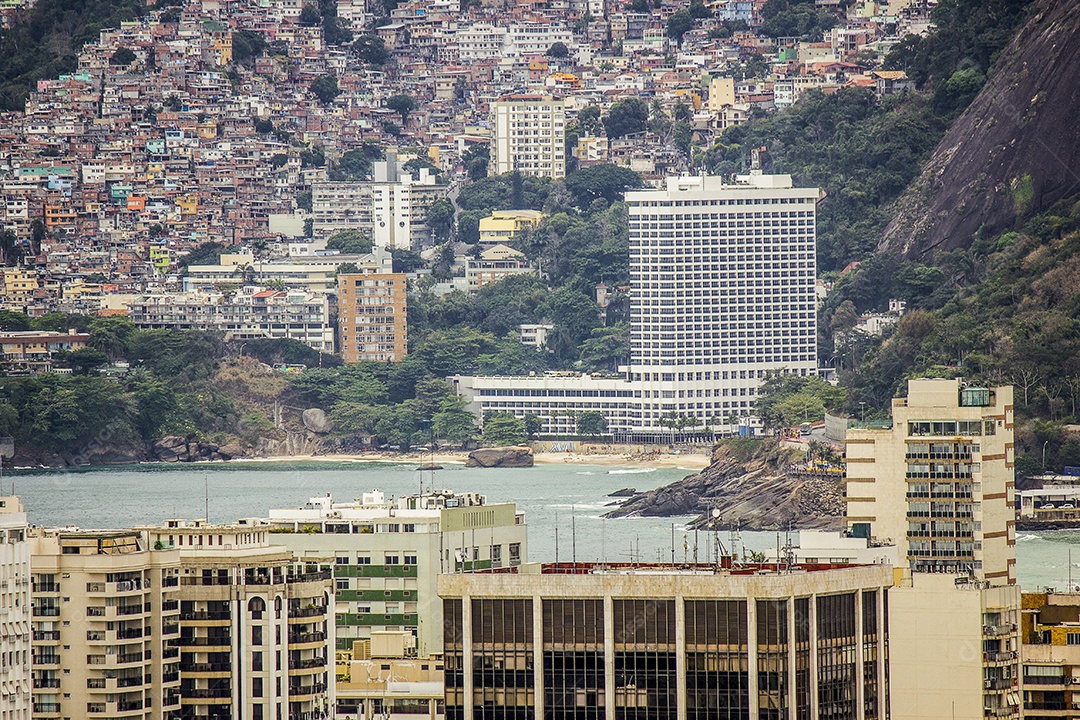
(44, 41)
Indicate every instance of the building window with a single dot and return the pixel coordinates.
(256, 635)
(256, 687)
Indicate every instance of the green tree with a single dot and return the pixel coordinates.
(303, 201)
(627, 117)
(533, 425)
(371, 49)
(558, 51)
(679, 23)
(310, 16)
(325, 88)
(454, 423)
(601, 181)
(350, 242)
(403, 105)
(83, 360)
(607, 348)
(591, 424)
(247, 45)
(501, 429)
(440, 218)
(122, 56)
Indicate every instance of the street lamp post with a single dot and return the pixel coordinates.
(1044, 455)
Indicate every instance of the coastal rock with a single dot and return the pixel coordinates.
(504, 457)
(316, 421)
(758, 491)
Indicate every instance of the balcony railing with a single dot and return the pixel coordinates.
(206, 615)
(307, 612)
(310, 637)
(207, 693)
(206, 667)
(204, 641)
(40, 683)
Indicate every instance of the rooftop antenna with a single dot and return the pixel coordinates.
(573, 535)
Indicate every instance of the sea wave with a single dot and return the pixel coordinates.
(631, 471)
(1025, 538)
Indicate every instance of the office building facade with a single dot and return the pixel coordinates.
(664, 641)
(1050, 629)
(722, 295)
(255, 631)
(939, 483)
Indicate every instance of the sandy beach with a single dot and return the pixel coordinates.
(689, 461)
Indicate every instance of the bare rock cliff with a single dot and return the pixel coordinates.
(1014, 152)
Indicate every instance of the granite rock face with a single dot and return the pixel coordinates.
(759, 493)
(504, 457)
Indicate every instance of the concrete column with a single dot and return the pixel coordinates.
(882, 627)
(680, 657)
(752, 658)
(791, 665)
(538, 656)
(609, 658)
(860, 658)
(467, 654)
(813, 657)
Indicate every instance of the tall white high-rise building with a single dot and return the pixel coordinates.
(723, 291)
(722, 294)
(15, 700)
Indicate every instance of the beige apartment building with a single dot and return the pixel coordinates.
(105, 621)
(256, 630)
(527, 135)
(939, 485)
(15, 618)
(373, 324)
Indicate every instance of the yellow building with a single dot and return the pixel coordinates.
(19, 286)
(383, 677)
(503, 226)
(1050, 628)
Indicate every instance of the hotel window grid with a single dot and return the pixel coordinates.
(772, 659)
(454, 659)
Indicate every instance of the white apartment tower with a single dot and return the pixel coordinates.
(939, 485)
(723, 291)
(15, 678)
(527, 134)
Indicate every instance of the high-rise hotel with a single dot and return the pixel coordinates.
(722, 293)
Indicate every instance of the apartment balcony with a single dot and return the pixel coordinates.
(129, 634)
(39, 588)
(125, 610)
(46, 708)
(218, 641)
(308, 664)
(300, 692)
(999, 712)
(46, 611)
(205, 615)
(207, 693)
(170, 605)
(999, 684)
(46, 683)
(307, 612)
(997, 630)
(306, 638)
(46, 660)
(129, 658)
(999, 657)
(205, 667)
(46, 635)
(314, 576)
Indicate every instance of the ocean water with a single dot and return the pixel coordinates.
(563, 505)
